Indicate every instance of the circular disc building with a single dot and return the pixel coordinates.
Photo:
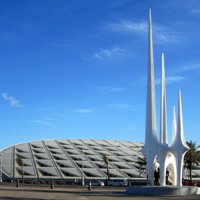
(73, 159)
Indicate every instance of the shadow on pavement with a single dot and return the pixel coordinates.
(20, 198)
(81, 192)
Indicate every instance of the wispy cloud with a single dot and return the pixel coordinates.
(171, 79)
(114, 53)
(112, 89)
(128, 26)
(189, 67)
(11, 100)
(84, 110)
(119, 3)
(195, 11)
(161, 34)
(116, 89)
(44, 122)
(122, 106)
(167, 37)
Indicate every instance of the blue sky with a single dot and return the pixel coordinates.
(77, 68)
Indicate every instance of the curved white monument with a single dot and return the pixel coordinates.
(164, 160)
(169, 157)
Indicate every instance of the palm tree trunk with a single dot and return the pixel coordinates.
(108, 173)
(22, 169)
(190, 171)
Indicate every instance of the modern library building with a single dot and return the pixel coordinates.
(74, 159)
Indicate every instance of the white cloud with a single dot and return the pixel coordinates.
(161, 34)
(122, 106)
(171, 79)
(128, 26)
(44, 122)
(195, 11)
(112, 89)
(114, 53)
(167, 38)
(84, 110)
(116, 89)
(189, 67)
(12, 100)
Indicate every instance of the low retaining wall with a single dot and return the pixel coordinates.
(163, 191)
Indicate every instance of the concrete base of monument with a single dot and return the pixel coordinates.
(163, 191)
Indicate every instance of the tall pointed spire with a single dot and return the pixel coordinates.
(163, 128)
(151, 140)
(180, 128)
(179, 145)
(163, 114)
(174, 125)
(151, 130)
(159, 151)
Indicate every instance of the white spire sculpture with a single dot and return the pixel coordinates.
(174, 127)
(163, 114)
(151, 139)
(169, 157)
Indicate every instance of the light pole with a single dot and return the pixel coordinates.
(83, 181)
(0, 167)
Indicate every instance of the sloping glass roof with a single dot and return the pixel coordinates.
(72, 158)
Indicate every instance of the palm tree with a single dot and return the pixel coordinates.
(20, 162)
(192, 157)
(106, 161)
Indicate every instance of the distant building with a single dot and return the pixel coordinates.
(73, 159)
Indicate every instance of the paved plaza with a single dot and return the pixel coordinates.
(28, 192)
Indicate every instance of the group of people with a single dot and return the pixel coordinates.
(157, 176)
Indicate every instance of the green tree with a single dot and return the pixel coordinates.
(192, 157)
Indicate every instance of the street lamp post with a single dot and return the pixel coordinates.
(0, 167)
(83, 181)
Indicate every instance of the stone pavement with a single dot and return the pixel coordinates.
(10, 192)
